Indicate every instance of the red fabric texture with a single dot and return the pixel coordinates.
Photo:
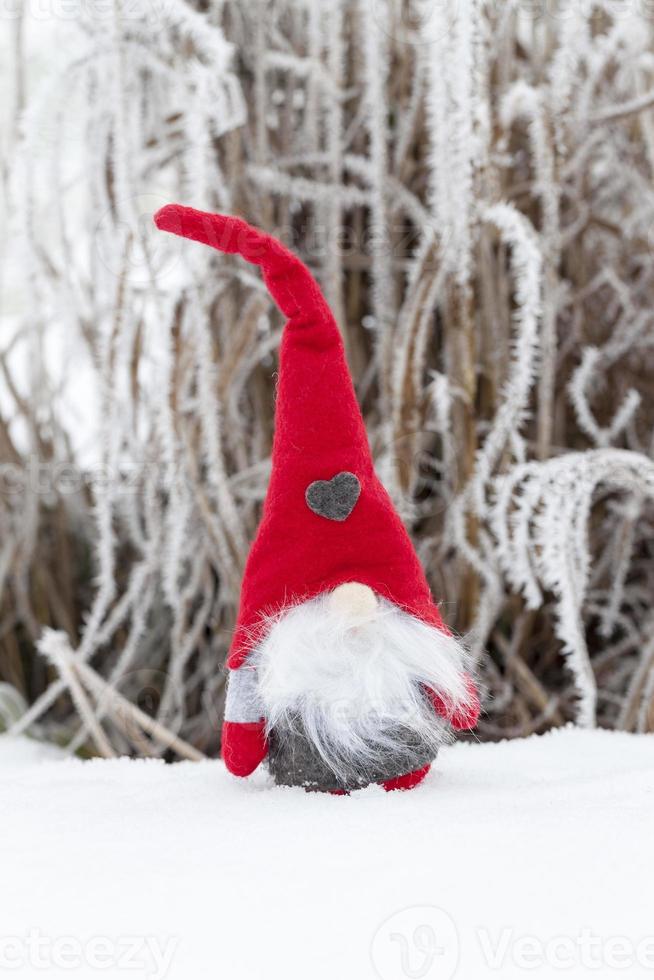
(244, 746)
(461, 717)
(319, 432)
(408, 781)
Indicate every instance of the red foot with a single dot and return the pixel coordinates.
(408, 781)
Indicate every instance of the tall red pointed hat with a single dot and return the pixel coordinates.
(326, 519)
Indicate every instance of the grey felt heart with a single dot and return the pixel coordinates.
(335, 498)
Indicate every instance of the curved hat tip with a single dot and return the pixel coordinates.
(168, 218)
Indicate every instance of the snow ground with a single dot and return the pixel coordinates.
(523, 859)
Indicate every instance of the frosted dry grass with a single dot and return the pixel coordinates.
(472, 185)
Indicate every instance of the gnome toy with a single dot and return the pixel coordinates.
(341, 671)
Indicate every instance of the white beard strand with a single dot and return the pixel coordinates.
(356, 690)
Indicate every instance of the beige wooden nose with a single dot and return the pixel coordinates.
(354, 600)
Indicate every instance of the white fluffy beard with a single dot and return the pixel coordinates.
(355, 689)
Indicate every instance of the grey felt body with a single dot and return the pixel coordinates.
(292, 758)
(334, 499)
(293, 761)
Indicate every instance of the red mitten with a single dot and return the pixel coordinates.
(408, 781)
(461, 716)
(244, 746)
